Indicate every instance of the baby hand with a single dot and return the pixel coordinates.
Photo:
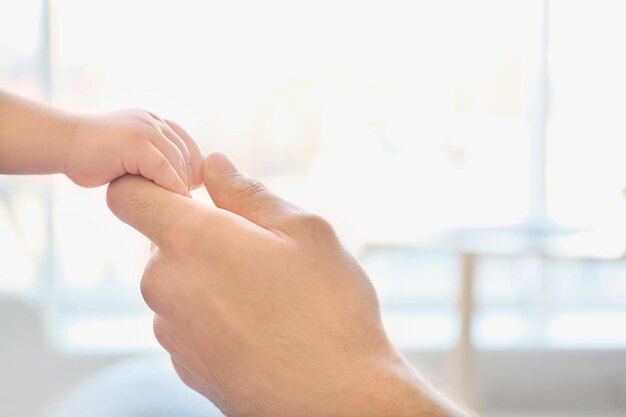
(105, 147)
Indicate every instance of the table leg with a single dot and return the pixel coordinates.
(464, 353)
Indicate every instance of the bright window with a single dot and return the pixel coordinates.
(393, 119)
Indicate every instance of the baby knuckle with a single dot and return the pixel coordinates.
(148, 115)
(137, 133)
(142, 131)
(172, 124)
(143, 116)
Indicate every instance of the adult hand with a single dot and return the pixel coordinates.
(260, 307)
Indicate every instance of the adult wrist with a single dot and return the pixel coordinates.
(392, 387)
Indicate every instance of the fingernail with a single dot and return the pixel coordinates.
(221, 164)
(183, 189)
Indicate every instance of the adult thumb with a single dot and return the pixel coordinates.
(232, 190)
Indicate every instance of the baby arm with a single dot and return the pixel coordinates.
(94, 150)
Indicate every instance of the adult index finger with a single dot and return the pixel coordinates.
(154, 211)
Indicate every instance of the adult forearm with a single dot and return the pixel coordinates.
(34, 137)
(395, 389)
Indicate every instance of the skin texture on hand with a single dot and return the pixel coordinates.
(260, 307)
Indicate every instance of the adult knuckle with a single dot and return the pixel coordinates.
(160, 331)
(249, 191)
(180, 241)
(183, 238)
(315, 223)
(311, 227)
(251, 188)
(184, 375)
(149, 286)
(148, 293)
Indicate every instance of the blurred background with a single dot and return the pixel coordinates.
(469, 153)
